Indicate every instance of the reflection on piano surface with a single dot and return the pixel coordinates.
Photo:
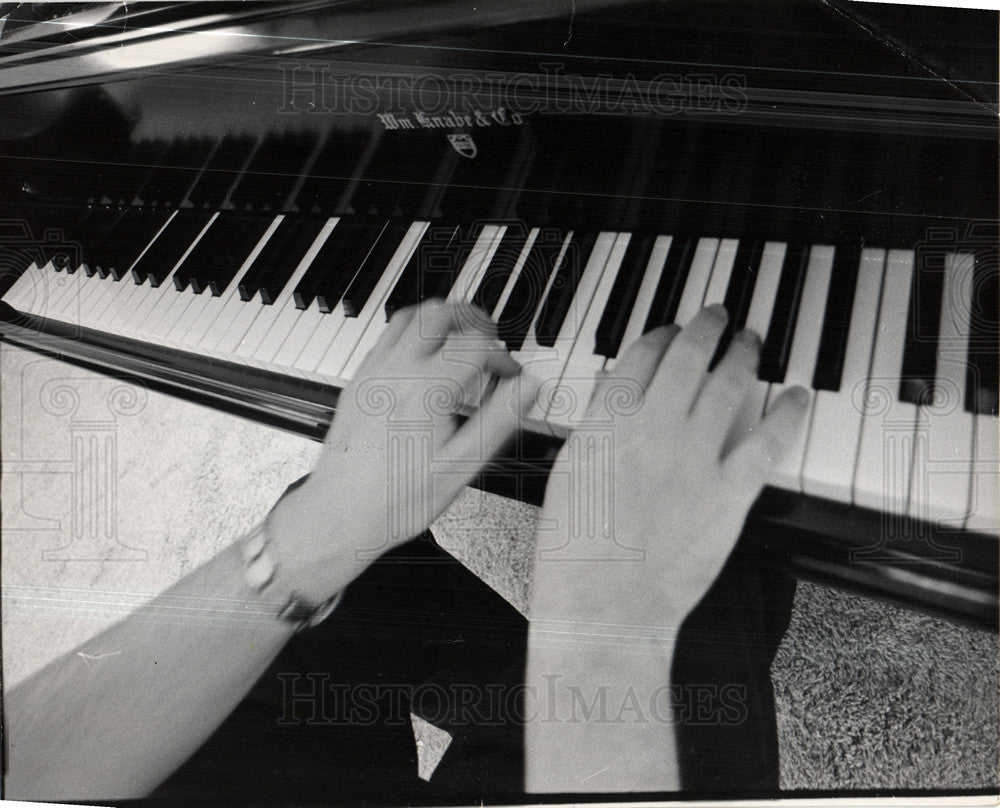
(233, 233)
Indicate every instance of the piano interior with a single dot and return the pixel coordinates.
(226, 202)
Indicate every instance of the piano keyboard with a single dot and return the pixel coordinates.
(255, 273)
(308, 296)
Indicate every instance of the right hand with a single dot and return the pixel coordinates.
(672, 493)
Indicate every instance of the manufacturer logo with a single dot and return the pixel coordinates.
(463, 144)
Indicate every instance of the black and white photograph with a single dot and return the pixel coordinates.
(463, 402)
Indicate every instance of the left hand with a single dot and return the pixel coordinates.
(396, 455)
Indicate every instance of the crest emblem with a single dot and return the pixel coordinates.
(463, 144)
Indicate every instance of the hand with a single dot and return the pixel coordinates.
(396, 455)
(667, 497)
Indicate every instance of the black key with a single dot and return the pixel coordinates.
(667, 298)
(72, 261)
(564, 285)
(837, 317)
(221, 251)
(778, 342)
(221, 171)
(92, 254)
(526, 296)
(328, 265)
(227, 263)
(129, 238)
(444, 266)
(200, 257)
(494, 279)
(92, 231)
(614, 320)
(273, 171)
(334, 285)
(410, 286)
(164, 253)
(217, 257)
(374, 264)
(275, 263)
(984, 334)
(922, 328)
(739, 292)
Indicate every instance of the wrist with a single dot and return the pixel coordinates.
(313, 551)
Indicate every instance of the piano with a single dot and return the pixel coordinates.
(227, 202)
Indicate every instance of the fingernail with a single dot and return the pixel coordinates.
(749, 337)
(718, 310)
(800, 396)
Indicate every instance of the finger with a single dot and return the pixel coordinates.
(493, 424)
(642, 357)
(750, 462)
(397, 325)
(721, 399)
(681, 373)
(437, 319)
(480, 351)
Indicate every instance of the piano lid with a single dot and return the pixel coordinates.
(805, 59)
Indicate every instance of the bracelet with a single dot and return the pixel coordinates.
(259, 573)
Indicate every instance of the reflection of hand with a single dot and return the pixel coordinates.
(669, 488)
(395, 455)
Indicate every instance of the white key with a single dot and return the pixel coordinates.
(278, 318)
(164, 315)
(787, 472)
(319, 341)
(292, 320)
(110, 302)
(66, 307)
(697, 280)
(464, 288)
(159, 299)
(576, 383)
(114, 318)
(180, 302)
(885, 454)
(984, 515)
(31, 291)
(182, 324)
(61, 287)
(213, 321)
(942, 449)
(97, 302)
(835, 430)
(515, 272)
(644, 297)
(765, 289)
(359, 334)
(311, 325)
(544, 363)
(722, 271)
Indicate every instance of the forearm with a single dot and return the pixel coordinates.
(604, 719)
(114, 717)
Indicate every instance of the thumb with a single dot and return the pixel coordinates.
(493, 424)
